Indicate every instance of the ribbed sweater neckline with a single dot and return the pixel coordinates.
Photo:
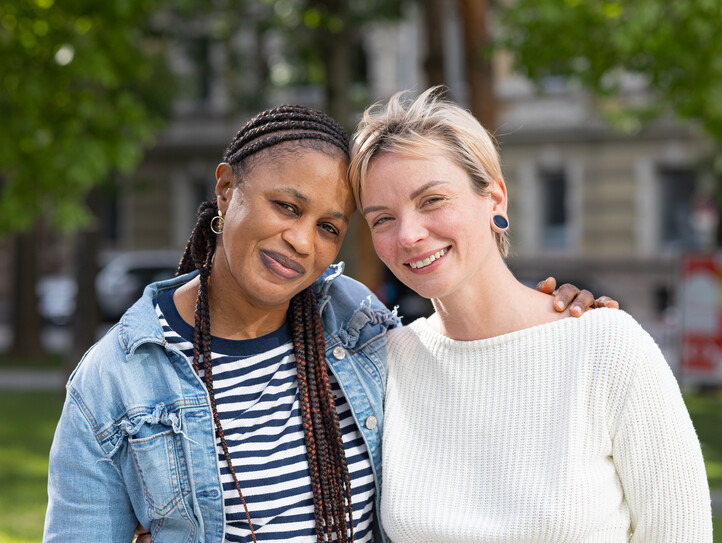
(433, 338)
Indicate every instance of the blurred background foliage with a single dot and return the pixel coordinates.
(674, 47)
(83, 88)
(671, 50)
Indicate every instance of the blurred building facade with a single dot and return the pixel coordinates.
(606, 210)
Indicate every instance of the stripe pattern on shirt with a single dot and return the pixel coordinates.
(256, 391)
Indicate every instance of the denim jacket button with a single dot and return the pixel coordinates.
(339, 353)
(371, 422)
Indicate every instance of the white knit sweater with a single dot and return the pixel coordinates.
(569, 431)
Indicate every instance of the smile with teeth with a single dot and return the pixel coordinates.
(428, 260)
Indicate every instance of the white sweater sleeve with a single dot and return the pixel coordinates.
(658, 458)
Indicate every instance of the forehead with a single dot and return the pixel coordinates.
(432, 162)
(307, 174)
(293, 149)
(302, 164)
(403, 175)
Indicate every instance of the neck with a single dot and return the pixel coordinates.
(492, 304)
(231, 317)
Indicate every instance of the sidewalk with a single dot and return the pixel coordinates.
(32, 379)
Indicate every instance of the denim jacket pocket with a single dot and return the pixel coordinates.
(159, 459)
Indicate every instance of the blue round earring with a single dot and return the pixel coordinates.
(501, 222)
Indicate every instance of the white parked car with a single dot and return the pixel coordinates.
(122, 280)
(56, 298)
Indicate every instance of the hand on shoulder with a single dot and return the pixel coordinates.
(571, 300)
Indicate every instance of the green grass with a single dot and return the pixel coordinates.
(45, 362)
(706, 412)
(27, 423)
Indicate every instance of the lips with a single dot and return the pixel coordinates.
(281, 265)
(428, 259)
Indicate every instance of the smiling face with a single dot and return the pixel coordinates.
(284, 224)
(427, 223)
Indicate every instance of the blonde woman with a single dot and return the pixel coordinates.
(497, 426)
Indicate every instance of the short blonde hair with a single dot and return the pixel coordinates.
(414, 128)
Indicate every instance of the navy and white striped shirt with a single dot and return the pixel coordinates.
(256, 392)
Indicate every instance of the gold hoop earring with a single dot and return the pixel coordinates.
(217, 223)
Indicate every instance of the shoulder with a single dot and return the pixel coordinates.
(340, 290)
(98, 380)
(99, 361)
(347, 306)
(615, 329)
(416, 344)
(131, 354)
(608, 341)
(346, 295)
(624, 356)
(402, 336)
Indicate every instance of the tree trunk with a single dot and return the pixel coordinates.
(86, 317)
(335, 47)
(434, 20)
(479, 73)
(27, 324)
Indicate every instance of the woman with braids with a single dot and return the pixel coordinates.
(498, 426)
(240, 401)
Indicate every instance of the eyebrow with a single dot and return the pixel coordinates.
(295, 194)
(423, 188)
(302, 197)
(415, 194)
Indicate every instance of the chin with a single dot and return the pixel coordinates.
(425, 289)
(270, 296)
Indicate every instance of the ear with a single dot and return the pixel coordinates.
(498, 197)
(225, 184)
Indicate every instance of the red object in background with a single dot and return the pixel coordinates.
(701, 307)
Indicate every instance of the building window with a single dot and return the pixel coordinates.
(193, 70)
(554, 212)
(202, 192)
(688, 215)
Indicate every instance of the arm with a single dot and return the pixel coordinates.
(568, 294)
(658, 457)
(87, 497)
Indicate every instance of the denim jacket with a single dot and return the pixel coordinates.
(136, 440)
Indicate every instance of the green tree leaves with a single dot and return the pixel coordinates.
(674, 46)
(83, 87)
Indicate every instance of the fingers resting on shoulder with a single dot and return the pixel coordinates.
(571, 297)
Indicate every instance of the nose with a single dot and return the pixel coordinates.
(411, 231)
(300, 236)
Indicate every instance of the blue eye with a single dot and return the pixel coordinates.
(380, 221)
(433, 200)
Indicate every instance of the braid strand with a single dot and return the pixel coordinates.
(325, 453)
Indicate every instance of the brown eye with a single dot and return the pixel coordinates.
(331, 229)
(286, 207)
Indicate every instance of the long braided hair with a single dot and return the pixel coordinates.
(330, 479)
